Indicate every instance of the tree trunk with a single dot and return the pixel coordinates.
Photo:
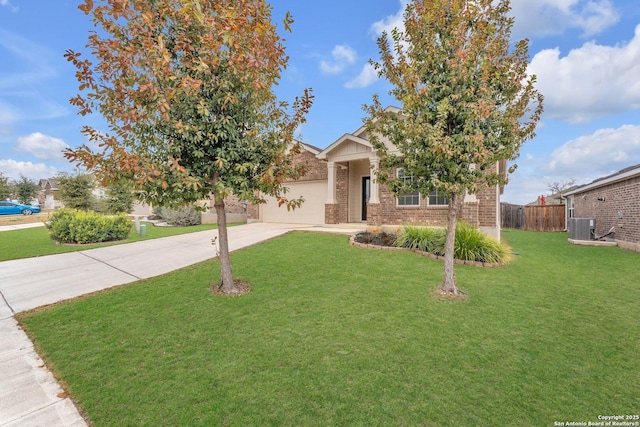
(449, 280)
(227, 284)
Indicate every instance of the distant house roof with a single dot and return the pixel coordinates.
(53, 183)
(622, 175)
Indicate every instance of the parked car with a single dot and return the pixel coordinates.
(10, 208)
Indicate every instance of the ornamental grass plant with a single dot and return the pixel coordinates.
(471, 244)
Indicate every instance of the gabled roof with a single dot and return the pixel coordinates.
(53, 183)
(355, 139)
(362, 128)
(347, 137)
(622, 175)
(306, 147)
(310, 148)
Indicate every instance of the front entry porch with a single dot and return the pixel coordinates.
(352, 190)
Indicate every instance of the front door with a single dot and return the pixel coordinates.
(366, 192)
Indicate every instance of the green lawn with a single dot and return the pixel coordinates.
(337, 335)
(32, 242)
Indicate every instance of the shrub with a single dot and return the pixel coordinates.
(77, 226)
(470, 243)
(183, 216)
(426, 239)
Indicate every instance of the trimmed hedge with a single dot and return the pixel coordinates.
(77, 226)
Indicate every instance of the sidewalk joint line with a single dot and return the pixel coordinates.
(13, 312)
(112, 266)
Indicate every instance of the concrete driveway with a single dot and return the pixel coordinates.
(29, 394)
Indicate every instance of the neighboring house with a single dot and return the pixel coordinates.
(613, 201)
(340, 187)
(48, 194)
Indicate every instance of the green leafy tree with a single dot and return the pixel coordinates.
(25, 190)
(76, 191)
(5, 186)
(464, 91)
(119, 197)
(186, 87)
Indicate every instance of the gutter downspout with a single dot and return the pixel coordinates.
(566, 212)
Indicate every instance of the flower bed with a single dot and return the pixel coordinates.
(385, 241)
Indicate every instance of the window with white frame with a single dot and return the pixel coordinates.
(408, 199)
(571, 207)
(438, 198)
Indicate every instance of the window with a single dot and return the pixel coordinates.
(571, 207)
(408, 199)
(438, 198)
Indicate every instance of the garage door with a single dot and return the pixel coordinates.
(311, 211)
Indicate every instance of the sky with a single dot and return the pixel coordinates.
(585, 54)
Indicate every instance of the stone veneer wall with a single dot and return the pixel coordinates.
(620, 209)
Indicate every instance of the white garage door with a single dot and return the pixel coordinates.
(311, 211)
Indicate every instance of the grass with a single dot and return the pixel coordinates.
(33, 242)
(337, 335)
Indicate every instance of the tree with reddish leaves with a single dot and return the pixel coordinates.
(186, 89)
(467, 103)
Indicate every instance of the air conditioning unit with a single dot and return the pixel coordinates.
(582, 228)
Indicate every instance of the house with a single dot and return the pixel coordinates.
(48, 197)
(340, 187)
(49, 193)
(614, 202)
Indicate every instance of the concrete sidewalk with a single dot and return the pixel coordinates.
(20, 226)
(29, 395)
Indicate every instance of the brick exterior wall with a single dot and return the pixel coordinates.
(487, 208)
(339, 213)
(232, 205)
(388, 213)
(317, 169)
(620, 209)
(481, 213)
(253, 212)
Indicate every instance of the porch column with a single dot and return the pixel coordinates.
(331, 182)
(374, 164)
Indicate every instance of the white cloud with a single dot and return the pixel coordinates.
(42, 147)
(343, 55)
(8, 4)
(35, 60)
(554, 17)
(591, 81)
(584, 159)
(8, 114)
(14, 169)
(390, 22)
(600, 153)
(367, 77)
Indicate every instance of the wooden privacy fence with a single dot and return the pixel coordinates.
(533, 217)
